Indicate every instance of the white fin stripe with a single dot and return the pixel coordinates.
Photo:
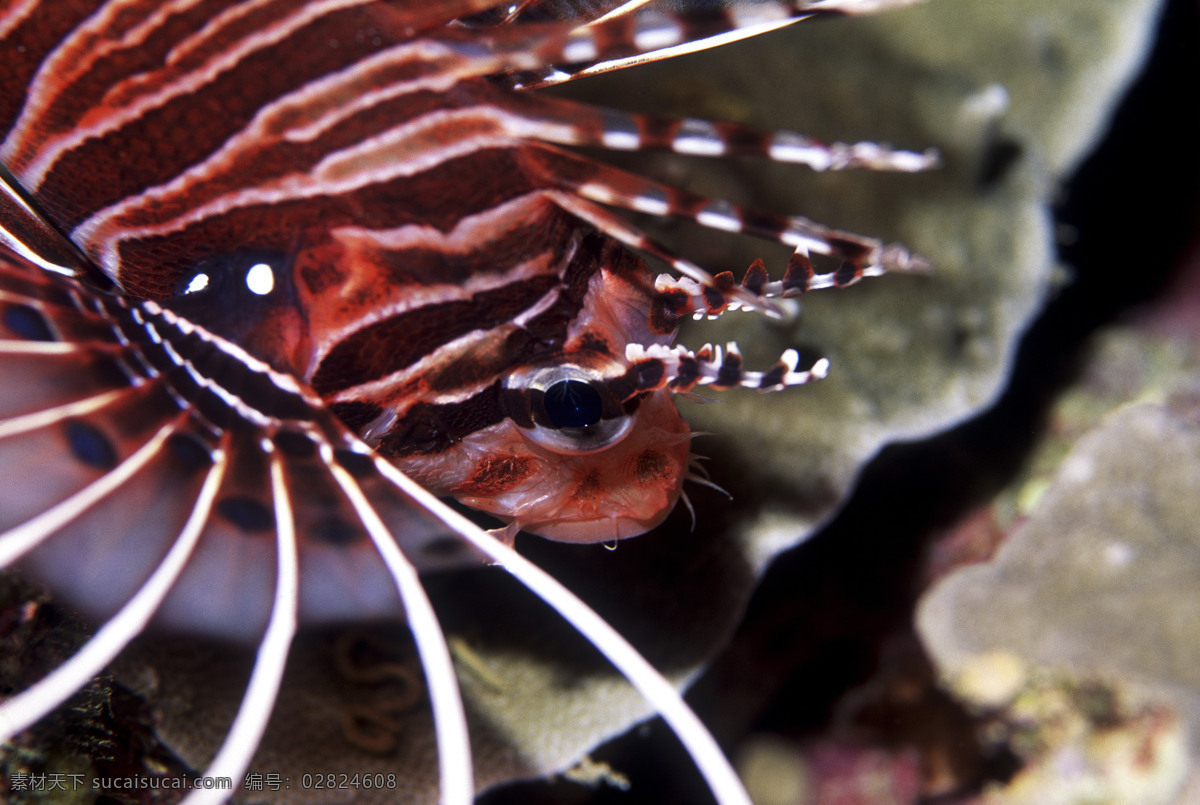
(464, 238)
(49, 416)
(581, 124)
(245, 734)
(620, 11)
(454, 746)
(23, 230)
(29, 706)
(503, 127)
(13, 347)
(697, 740)
(718, 214)
(18, 246)
(14, 15)
(657, 35)
(332, 85)
(666, 37)
(19, 539)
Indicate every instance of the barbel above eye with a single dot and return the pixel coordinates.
(567, 408)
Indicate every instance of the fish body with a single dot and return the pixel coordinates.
(277, 275)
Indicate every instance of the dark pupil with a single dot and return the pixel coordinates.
(572, 404)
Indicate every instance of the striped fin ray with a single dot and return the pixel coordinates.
(682, 369)
(567, 122)
(601, 37)
(142, 477)
(340, 133)
(588, 181)
(25, 232)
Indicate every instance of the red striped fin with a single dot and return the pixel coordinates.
(594, 182)
(681, 369)
(558, 120)
(649, 33)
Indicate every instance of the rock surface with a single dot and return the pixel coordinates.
(1099, 583)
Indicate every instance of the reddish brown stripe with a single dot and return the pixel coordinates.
(29, 43)
(658, 132)
(154, 267)
(356, 415)
(430, 428)
(431, 266)
(393, 344)
(146, 152)
(92, 90)
(274, 157)
(743, 140)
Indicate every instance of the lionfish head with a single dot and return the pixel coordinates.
(541, 388)
(590, 446)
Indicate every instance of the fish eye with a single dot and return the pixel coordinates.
(567, 409)
(573, 404)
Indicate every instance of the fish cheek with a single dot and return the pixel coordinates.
(654, 469)
(497, 475)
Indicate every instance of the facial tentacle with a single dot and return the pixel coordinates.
(681, 370)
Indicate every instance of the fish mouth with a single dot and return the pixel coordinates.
(597, 529)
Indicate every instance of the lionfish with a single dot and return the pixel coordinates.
(277, 276)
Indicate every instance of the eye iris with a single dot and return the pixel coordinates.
(573, 404)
